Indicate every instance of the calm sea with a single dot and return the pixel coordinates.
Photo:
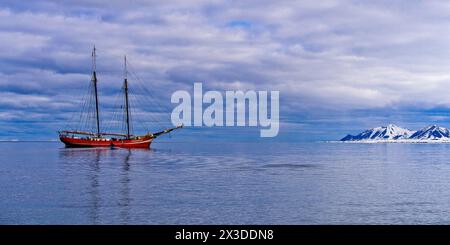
(225, 183)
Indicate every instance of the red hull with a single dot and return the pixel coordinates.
(143, 142)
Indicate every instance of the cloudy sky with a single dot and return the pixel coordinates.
(340, 66)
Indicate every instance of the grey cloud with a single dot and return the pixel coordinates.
(328, 55)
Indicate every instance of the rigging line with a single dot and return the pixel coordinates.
(115, 119)
(118, 114)
(84, 102)
(85, 109)
(113, 123)
(139, 99)
(72, 118)
(86, 115)
(150, 114)
(91, 113)
(145, 100)
(130, 119)
(123, 115)
(128, 114)
(150, 103)
(109, 126)
(134, 73)
(117, 110)
(91, 116)
(156, 107)
(158, 116)
(86, 126)
(148, 97)
(134, 109)
(81, 105)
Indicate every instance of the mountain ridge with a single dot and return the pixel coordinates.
(394, 133)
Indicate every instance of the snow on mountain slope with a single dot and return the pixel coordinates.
(389, 132)
(393, 133)
(431, 132)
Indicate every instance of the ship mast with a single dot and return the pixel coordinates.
(126, 97)
(94, 80)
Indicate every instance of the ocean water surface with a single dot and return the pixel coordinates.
(225, 183)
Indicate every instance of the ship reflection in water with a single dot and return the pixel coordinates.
(97, 160)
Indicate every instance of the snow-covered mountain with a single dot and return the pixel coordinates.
(389, 132)
(432, 132)
(393, 133)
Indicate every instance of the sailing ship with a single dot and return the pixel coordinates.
(97, 138)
